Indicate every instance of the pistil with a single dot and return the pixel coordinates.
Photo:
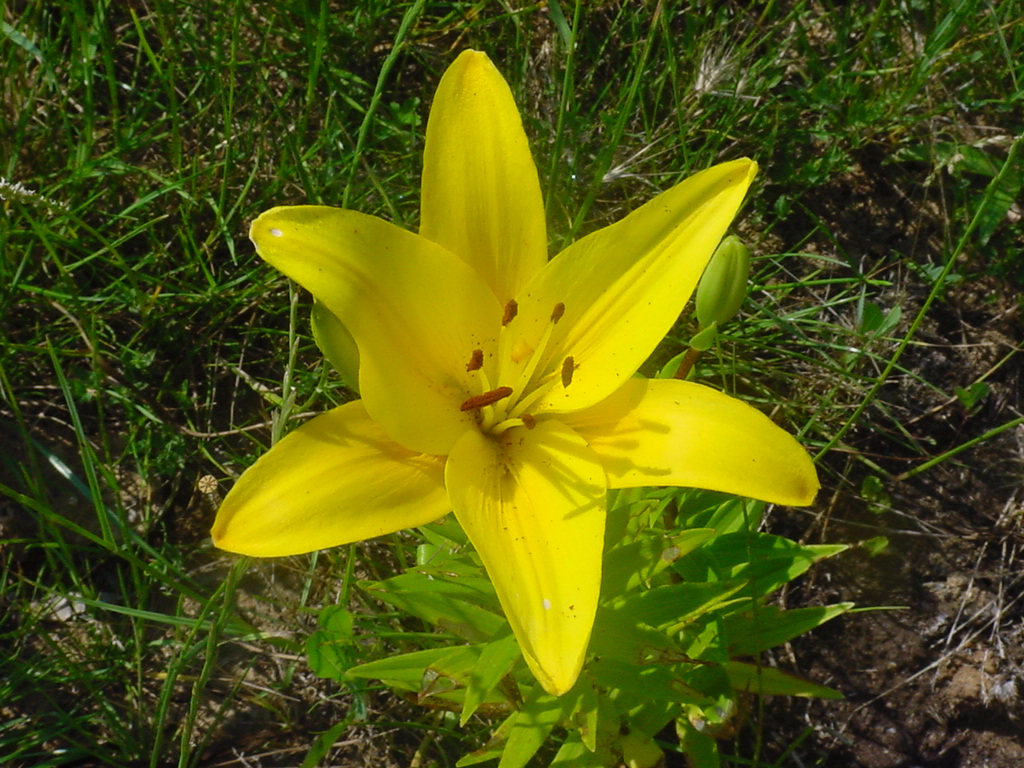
(523, 380)
(504, 407)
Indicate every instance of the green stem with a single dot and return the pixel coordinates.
(686, 364)
(959, 449)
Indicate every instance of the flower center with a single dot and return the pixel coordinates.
(520, 381)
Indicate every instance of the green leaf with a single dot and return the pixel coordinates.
(626, 641)
(496, 661)
(973, 395)
(421, 669)
(1005, 191)
(466, 607)
(585, 715)
(575, 754)
(872, 489)
(323, 744)
(637, 563)
(701, 751)
(494, 747)
(768, 681)
(720, 511)
(670, 607)
(751, 632)
(532, 727)
(875, 545)
(638, 684)
(766, 561)
(974, 160)
(519, 737)
(330, 650)
(640, 751)
(439, 673)
(874, 322)
(448, 529)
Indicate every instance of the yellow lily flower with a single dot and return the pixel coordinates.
(498, 384)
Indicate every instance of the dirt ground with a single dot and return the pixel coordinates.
(935, 680)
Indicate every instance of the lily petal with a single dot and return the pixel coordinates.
(416, 312)
(624, 286)
(668, 432)
(481, 198)
(334, 480)
(533, 504)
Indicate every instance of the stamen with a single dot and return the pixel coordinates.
(504, 426)
(529, 394)
(487, 398)
(476, 361)
(567, 369)
(527, 401)
(511, 310)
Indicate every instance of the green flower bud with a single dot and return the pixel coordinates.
(337, 344)
(723, 287)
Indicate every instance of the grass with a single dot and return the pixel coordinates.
(147, 357)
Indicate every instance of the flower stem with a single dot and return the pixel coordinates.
(686, 364)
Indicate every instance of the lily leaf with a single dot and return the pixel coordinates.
(496, 661)
(751, 632)
(459, 606)
(538, 717)
(766, 561)
(675, 605)
(626, 641)
(722, 512)
(768, 681)
(575, 754)
(408, 670)
(519, 737)
(637, 563)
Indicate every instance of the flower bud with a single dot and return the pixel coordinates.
(723, 287)
(337, 344)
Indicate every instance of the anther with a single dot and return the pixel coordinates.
(487, 398)
(567, 368)
(511, 310)
(528, 421)
(557, 312)
(476, 361)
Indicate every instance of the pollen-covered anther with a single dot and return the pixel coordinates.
(557, 312)
(528, 420)
(511, 310)
(476, 360)
(487, 398)
(568, 366)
